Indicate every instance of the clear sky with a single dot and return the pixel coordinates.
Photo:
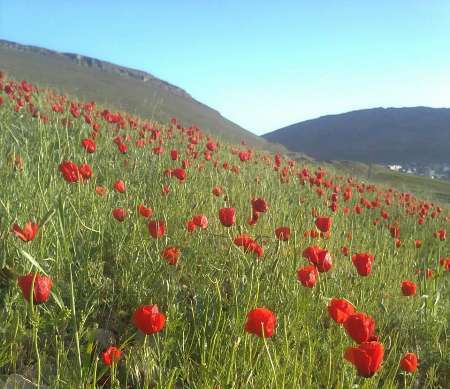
(262, 64)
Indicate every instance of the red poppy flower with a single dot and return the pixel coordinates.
(428, 273)
(408, 288)
(395, 231)
(174, 155)
(367, 357)
(211, 146)
(363, 263)
(165, 190)
(307, 275)
(227, 216)
(28, 232)
(101, 190)
(409, 362)
(249, 244)
(148, 319)
(171, 254)
(441, 234)
(144, 211)
(122, 147)
(344, 250)
(119, 186)
(319, 257)
(360, 327)
(156, 228)
(41, 290)
(217, 191)
(85, 171)
(283, 233)
(418, 243)
(254, 218)
(340, 309)
(69, 171)
(255, 248)
(259, 205)
(179, 173)
(119, 214)
(88, 145)
(261, 322)
(324, 223)
(446, 263)
(243, 240)
(190, 226)
(200, 221)
(158, 150)
(111, 355)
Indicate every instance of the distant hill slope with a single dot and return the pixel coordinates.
(382, 135)
(128, 89)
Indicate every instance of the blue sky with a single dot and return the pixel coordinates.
(262, 64)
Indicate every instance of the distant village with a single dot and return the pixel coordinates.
(439, 171)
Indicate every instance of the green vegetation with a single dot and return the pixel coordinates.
(103, 269)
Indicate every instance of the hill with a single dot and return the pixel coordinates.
(380, 135)
(128, 89)
(137, 254)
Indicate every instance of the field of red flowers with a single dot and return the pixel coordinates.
(138, 254)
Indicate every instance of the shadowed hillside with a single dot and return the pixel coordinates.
(381, 135)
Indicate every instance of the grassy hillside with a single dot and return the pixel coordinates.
(127, 89)
(378, 135)
(432, 189)
(142, 94)
(118, 214)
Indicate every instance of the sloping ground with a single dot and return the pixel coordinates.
(127, 89)
(205, 265)
(432, 189)
(378, 135)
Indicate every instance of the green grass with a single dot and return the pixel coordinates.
(102, 270)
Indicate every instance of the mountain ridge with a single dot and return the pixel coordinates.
(380, 135)
(125, 88)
